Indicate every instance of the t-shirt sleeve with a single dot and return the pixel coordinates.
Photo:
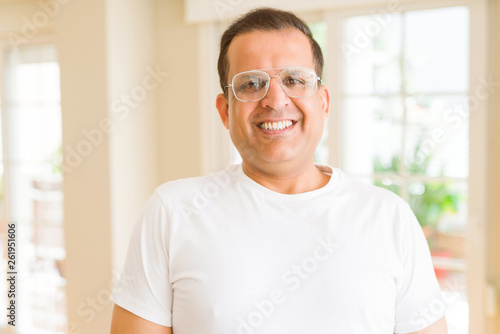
(144, 287)
(419, 300)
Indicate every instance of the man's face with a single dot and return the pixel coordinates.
(261, 148)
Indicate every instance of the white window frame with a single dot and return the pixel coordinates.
(216, 146)
(478, 204)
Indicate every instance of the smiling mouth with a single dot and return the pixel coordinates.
(273, 126)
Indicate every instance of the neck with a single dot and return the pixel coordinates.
(287, 181)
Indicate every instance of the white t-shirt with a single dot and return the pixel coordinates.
(222, 254)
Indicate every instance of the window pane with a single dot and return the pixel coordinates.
(441, 209)
(372, 133)
(370, 55)
(404, 121)
(27, 89)
(33, 157)
(39, 135)
(437, 51)
(437, 136)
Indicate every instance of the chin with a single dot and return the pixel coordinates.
(272, 157)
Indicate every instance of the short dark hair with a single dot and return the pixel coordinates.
(264, 19)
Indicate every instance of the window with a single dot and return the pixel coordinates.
(32, 186)
(404, 126)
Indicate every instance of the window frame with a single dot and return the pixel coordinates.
(479, 203)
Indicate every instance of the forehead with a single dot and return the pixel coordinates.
(269, 49)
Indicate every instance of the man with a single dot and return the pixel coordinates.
(276, 244)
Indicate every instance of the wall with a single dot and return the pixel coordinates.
(178, 104)
(133, 81)
(87, 190)
(494, 236)
(11, 14)
(135, 125)
(109, 82)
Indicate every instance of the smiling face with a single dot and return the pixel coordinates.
(291, 142)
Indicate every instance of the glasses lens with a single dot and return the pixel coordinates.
(299, 81)
(250, 86)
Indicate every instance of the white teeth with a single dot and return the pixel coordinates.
(275, 125)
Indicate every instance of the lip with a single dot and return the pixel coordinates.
(271, 120)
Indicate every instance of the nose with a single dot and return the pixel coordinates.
(275, 98)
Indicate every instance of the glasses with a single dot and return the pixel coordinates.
(253, 85)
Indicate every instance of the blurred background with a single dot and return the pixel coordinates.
(102, 101)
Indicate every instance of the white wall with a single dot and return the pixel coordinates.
(179, 106)
(82, 46)
(106, 50)
(494, 235)
(132, 74)
(114, 56)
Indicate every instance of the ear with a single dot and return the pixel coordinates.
(325, 100)
(223, 107)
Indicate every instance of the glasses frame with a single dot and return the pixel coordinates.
(269, 82)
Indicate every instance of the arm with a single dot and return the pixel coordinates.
(439, 327)
(125, 322)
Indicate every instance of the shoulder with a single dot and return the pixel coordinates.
(188, 189)
(363, 189)
(367, 196)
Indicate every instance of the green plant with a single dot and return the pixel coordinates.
(56, 160)
(432, 200)
(436, 200)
